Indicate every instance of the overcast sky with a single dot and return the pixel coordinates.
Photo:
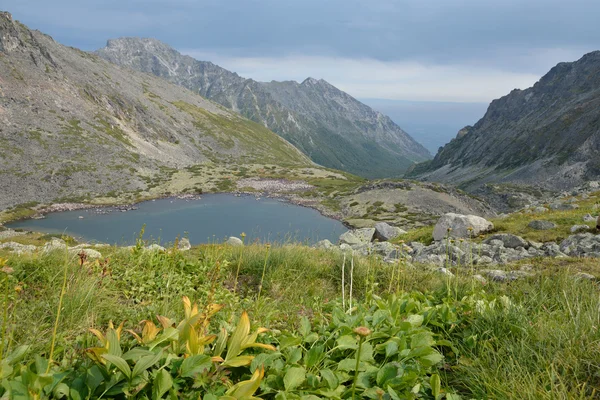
(428, 50)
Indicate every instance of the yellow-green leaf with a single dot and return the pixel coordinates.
(119, 363)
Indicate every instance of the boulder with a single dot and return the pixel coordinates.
(184, 244)
(55, 244)
(586, 276)
(588, 218)
(508, 240)
(540, 225)
(540, 209)
(324, 244)
(235, 242)
(579, 228)
(563, 206)
(459, 225)
(384, 248)
(18, 247)
(91, 254)
(385, 232)
(357, 236)
(155, 247)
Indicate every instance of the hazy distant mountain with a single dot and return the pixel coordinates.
(330, 126)
(548, 134)
(73, 125)
(431, 123)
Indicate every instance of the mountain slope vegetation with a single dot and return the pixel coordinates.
(73, 125)
(331, 127)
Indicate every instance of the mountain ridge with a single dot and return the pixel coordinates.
(73, 125)
(340, 132)
(546, 135)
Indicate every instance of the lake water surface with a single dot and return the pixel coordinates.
(209, 219)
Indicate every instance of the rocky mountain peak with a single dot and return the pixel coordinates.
(9, 33)
(327, 124)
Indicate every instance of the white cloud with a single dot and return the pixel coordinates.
(369, 78)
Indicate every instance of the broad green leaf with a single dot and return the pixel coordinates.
(169, 334)
(415, 320)
(114, 344)
(347, 364)
(386, 373)
(305, 327)
(245, 389)
(119, 363)
(17, 354)
(136, 353)
(239, 361)
(289, 341)
(238, 337)
(436, 385)
(162, 383)
(294, 378)
(431, 359)
(314, 356)
(366, 352)
(392, 393)
(144, 363)
(93, 378)
(391, 348)
(311, 338)
(194, 365)
(347, 342)
(422, 339)
(329, 378)
(452, 396)
(61, 390)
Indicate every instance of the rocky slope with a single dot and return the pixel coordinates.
(330, 126)
(547, 135)
(73, 125)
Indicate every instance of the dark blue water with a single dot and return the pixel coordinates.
(207, 220)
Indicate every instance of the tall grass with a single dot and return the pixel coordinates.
(539, 340)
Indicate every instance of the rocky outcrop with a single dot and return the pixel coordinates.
(460, 226)
(234, 242)
(328, 125)
(385, 232)
(546, 135)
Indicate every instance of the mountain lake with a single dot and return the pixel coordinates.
(213, 218)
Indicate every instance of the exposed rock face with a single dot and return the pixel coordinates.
(547, 135)
(459, 226)
(385, 232)
(330, 126)
(508, 240)
(73, 124)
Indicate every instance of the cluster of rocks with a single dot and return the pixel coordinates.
(366, 241)
(90, 250)
(453, 244)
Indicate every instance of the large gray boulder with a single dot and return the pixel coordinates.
(459, 225)
(184, 244)
(508, 240)
(385, 232)
(324, 244)
(54, 245)
(540, 225)
(579, 228)
(357, 237)
(563, 206)
(235, 242)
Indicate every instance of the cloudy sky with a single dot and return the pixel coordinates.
(468, 51)
(433, 50)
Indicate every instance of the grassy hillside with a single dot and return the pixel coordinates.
(429, 336)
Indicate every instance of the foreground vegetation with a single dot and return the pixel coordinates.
(401, 332)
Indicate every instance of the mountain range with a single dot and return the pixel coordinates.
(547, 135)
(73, 124)
(331, 127)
